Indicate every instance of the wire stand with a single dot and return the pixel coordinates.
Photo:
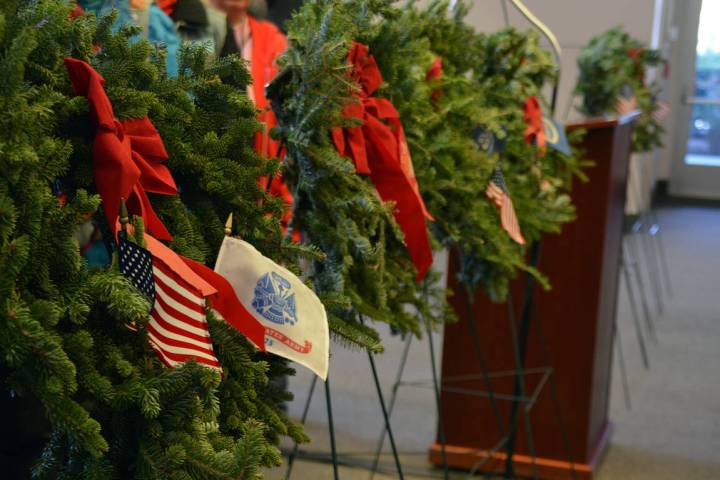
(391, 408)
(520, 351)
(331, 427)
(334, 457)
(621, 363)
(633, 310)
(655, 232)
(303, 419)
(386, 417)
(521, 400)
(438, 402)
(630, 259)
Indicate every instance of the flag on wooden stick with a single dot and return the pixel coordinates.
(625, 105)
(177, 330)
(661, 111)
(294, 319)
(497, 192)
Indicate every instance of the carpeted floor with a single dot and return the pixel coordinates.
(671, 431)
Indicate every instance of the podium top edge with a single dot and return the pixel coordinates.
(603, 122)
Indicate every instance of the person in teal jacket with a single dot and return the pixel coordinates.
(157, 26)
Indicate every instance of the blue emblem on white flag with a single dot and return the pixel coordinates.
(555, 135)
(294, 318)
(274, 299)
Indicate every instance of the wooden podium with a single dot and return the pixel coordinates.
(576, 317)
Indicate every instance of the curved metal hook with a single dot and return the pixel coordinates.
(545, 30)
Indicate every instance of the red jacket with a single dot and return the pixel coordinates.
(268, 42)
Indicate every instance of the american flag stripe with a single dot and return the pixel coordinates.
(172, 359)
(177, 296)
(496, 192)
(623, 105)
(177, 332)
(174, 317)
(180, 352)
(661, 112)
(178, 329)
(179, 346)
(172, 307)
(509, 221)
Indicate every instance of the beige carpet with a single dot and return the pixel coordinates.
(672, 431)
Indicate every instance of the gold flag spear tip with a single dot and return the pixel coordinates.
(124, 218)
(228, 225)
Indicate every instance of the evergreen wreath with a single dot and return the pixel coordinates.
(366, 271)
(612, 65)
(484, 82)
(114, 410)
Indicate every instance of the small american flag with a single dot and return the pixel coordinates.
(177, 330)
(497, 192)
(624, 105)
(661, 112)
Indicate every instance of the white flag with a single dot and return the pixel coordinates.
(294, 318)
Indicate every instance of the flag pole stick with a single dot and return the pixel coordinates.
(124, 216)
(228, 225)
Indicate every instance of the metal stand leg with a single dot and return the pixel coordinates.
(631, 260)
(438, 404)
(331, 426)
(636, 320)
(621, 362)
(652, 269)
(306, 408)
(656, 234)
(519, 344)
(385, 416)
(475, 337)
(391, 404)
(520, 349)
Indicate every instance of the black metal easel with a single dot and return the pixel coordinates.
(334, 456)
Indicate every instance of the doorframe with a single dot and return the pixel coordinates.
(688, 180)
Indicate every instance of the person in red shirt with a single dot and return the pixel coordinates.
(260, 43)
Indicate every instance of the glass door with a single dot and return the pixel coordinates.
(696, 172)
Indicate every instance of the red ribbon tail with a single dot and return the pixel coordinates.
(225, 301)
(418, 243)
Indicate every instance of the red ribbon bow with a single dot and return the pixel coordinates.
(532, 114)
(128, 156)
(379, 149)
